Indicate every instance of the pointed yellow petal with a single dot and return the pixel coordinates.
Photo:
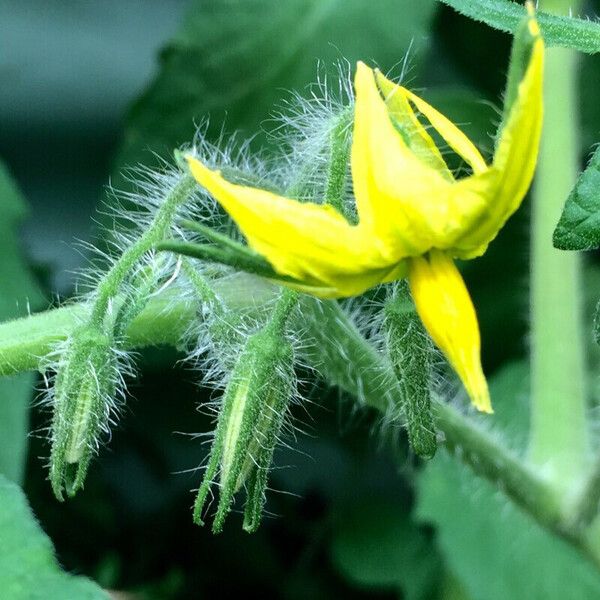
(505, 184)
(455, 138)
(405, 120)
(516, 153)
(397, 194)
(310, 242)
(398, 97)
(444, 305)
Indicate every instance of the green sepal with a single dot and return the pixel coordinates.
(339, 159)
(410, 351)
(239, 257)
(252, 412)
(85, 387)
(256, 468)
(255, 500)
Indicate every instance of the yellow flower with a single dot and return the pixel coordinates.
(414, 216)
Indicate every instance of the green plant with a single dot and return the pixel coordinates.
(173, 272)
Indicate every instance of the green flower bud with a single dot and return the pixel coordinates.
(85, 388)
(252, 413)
(410, 351)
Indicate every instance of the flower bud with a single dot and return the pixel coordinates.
(410, 352)
(85, 387)
(252, 412)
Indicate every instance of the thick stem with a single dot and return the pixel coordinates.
(166, 318)
(348, 360)
(559, 442)
(25, 342)
(500, 466)
(590, 541)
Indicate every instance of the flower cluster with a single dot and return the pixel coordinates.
(403, 214)
(414, 216)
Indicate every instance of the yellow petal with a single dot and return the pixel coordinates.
(398, 97)
(505, 184)
(415, 134)
(517, 149)
(310, 242)
(444, 305)
(398, 196)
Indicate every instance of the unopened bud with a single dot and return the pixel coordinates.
(410, 352)
(253, 409)
(84, 393)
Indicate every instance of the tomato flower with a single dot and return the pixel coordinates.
(414, 216)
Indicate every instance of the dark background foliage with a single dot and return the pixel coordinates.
(89, 88)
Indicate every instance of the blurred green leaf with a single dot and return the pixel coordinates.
(28, 568)
(377, 545)
(579, 224)
(19, 292)
(505, 15)
(235, 59)
(495, 549)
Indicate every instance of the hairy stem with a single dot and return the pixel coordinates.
(338, 163)
(559, 440)
(110, 284)
(344, 357)
(501, 466)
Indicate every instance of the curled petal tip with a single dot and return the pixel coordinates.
(479, 394)
(361, 66)
(532, 24)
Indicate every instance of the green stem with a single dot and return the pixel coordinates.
(339, 149)
(559, 440)
(345, 358)
(110, 284)
(501, 466)
(590, 541)
(241, 259)
(25, 342)
(338, 163)
(585, 505)
(202, 288)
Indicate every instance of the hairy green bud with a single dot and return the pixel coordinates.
(410, 352)
(252, 412)
(85, 387)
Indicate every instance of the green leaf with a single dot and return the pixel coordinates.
(19, 291)
(579, 224)
(505, 15)
(495, 549)
(235, 59)
(28, 568)
(589, 91)
(377, 545)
